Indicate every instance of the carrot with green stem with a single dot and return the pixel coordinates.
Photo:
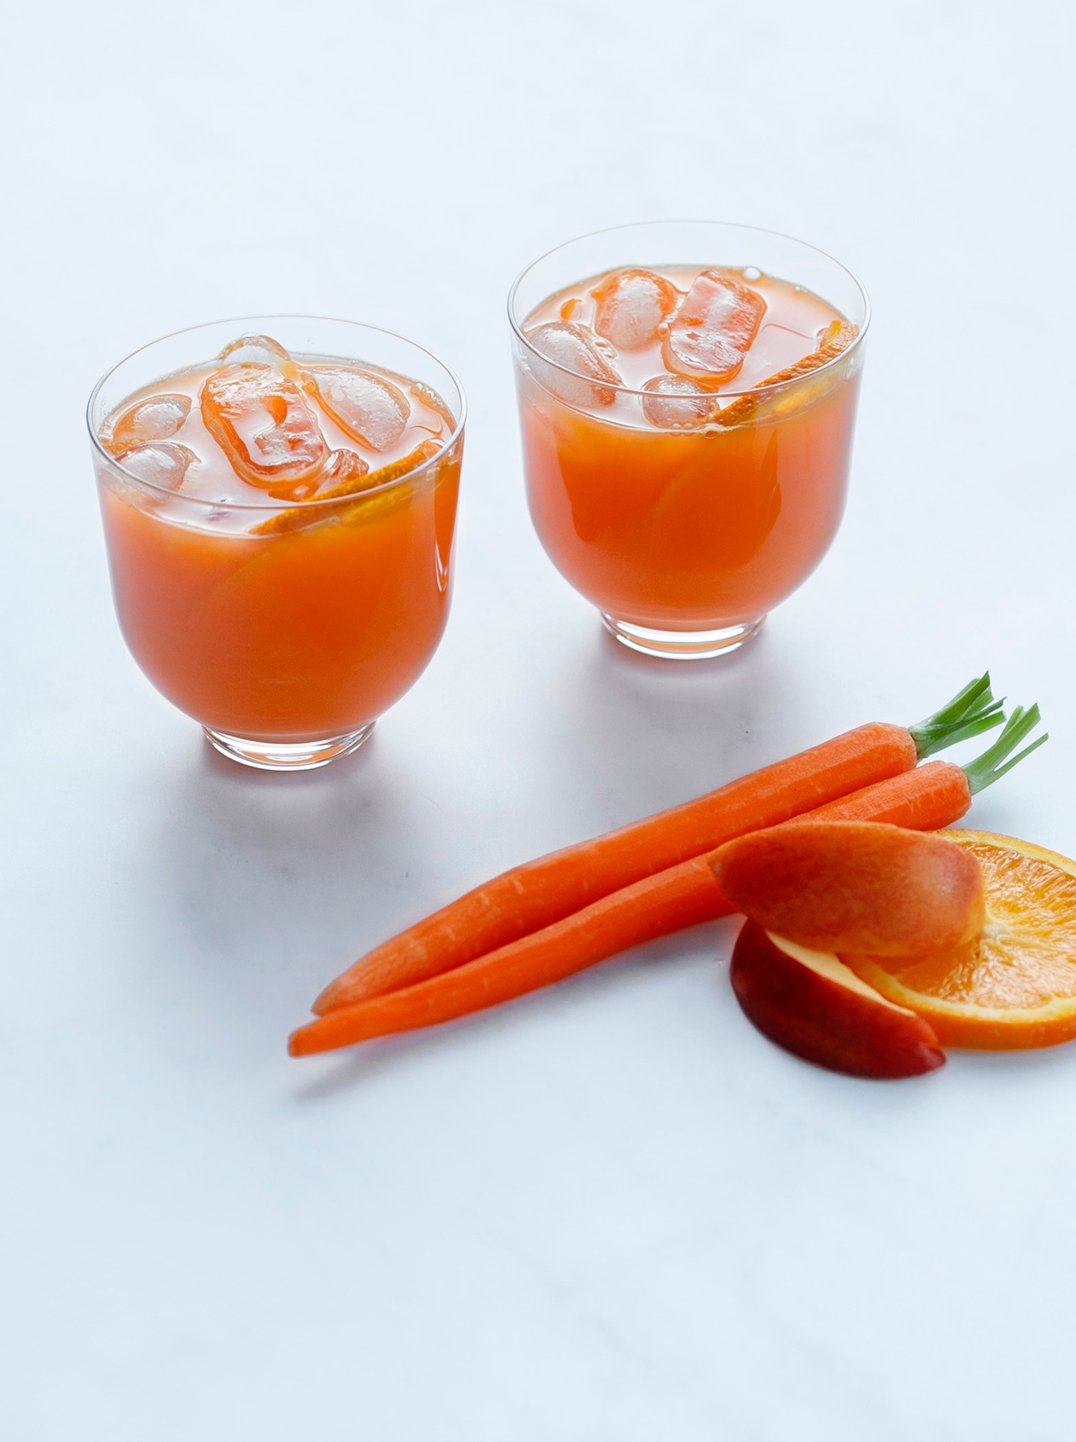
(925, 798)
(538, 893)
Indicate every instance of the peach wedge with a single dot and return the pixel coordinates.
(855, 886)
(812, 1005)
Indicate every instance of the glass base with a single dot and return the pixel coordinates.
(287, 756)
(682, 645)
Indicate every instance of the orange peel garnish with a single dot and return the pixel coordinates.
(836, 339)
(310, 512)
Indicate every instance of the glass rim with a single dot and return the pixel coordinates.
(274, 506)
(639, 225)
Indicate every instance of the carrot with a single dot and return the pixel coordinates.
(535, 895)
(927, 797)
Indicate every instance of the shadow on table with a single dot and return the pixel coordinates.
(272, 883)
(639, 734)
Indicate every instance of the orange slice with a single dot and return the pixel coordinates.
(1014, 986)
(296, 517)
(836, 338)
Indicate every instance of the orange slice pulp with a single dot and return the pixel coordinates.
(1013, 986)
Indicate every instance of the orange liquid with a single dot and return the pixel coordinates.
(702, 526)
(288, 637)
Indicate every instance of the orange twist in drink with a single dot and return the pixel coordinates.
(280, 532)
(686, 440)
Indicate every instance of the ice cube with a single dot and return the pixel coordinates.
(428, 397)
(154, 419)
(160, 463)
(260, 350)
(238, 400)
(343, 466)
(580, 374)
(676, 403)
(712, 331)
(368, 407)
(631, 306)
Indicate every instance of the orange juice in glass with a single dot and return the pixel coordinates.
(687, 393)
(279, 503)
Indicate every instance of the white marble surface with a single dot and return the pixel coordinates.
(611, 1211)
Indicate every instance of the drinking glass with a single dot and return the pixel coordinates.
(685, 536)
(285, 631)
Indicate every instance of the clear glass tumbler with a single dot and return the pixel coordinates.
(287, 598)
(685, 510)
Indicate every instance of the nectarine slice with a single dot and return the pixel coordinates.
(812, 1005)
(855, 886)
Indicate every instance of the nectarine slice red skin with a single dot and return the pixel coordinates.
(822, 1021)
(837, 885)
